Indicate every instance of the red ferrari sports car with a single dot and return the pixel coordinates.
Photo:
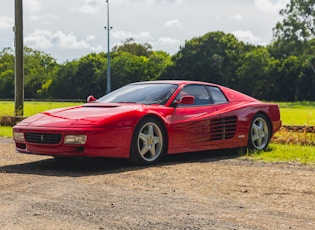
(144, 121)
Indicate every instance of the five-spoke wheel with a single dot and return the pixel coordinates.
(259, 133)
(148, 142)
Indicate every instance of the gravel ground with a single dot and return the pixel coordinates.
(209, 190)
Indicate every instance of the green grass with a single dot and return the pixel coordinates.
(32, 107)
(298, 116)
(297, 105)
(297, 113)
(5, 131)
(285, 153)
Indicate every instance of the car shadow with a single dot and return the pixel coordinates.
(78, 167)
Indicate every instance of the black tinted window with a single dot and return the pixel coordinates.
(199, 92)
(217, 95)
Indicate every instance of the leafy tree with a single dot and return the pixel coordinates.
(63, 84)
(282, 71)
(80, 78)
(213, 57)
(39, 69)
(305, 86)
(294, 43)
(132, 62)
(295, 34)
(287, 75)
(255, 76)
(127, 68)
(131, 47)
(91, 77)
(298, 23)
(157, 65)
(6, 73)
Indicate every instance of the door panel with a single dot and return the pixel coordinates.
(191, 126)
(202, 125)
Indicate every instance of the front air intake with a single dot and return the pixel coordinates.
(43, 138)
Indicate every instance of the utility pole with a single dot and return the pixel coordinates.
(19, 68)
(108, 28)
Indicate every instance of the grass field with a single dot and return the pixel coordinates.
(32, 107)
(285, 153)
(295, 113)
(5, 131)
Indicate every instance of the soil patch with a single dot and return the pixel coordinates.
(208, 190)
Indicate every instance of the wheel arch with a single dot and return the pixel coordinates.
(259, 142)
(162, 123)
(268, 120)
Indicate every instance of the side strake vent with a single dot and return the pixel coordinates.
(223, 128)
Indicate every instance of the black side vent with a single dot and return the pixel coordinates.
(223, 128)
(43, 138)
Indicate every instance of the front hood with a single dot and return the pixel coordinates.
(87, 114)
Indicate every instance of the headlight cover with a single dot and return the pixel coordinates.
(74, 139)
(18, 136)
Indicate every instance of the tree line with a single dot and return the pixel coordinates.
(283, 70)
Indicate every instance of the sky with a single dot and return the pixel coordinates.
(70, 29)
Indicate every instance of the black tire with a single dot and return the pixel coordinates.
(63, 158)
(148, 143)
(259, 133)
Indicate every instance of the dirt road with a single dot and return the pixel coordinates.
(190, 191)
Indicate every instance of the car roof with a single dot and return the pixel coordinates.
(231, 94)
(179, 82)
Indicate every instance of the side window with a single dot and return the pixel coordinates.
(217, 95)
(199, 92)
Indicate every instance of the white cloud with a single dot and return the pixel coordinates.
(40, 39)
(167, 41)
(89, 7)
(173, 23)
(32, 6)
(98, 48)
(35, 17)
(47, 19)
(124, 2)
(90, 38)
(165, 1)
(122, 35)
(237, 17)
(44, 39)
(246, 36)
(271, 6)
(80, 22)
(6, 22)
(69, 41)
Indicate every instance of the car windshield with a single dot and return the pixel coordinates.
(157, 93)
